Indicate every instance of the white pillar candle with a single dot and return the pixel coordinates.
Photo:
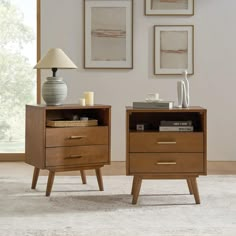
(156, 96)
(89, 98)
(82, 101)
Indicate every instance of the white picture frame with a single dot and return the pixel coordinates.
(108, 34)
(173, 49)
(169, 7)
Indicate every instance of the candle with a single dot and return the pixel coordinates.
(151, 97)
(82, 101)
(89, 98)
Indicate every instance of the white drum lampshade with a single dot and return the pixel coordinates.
(54, 90)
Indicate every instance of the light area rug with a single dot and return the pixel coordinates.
(164, 207)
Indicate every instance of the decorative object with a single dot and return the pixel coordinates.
(174, 49)
(82, 101)
(108, 34)
(169, 7)
(180, 93)
(89, 98)
(54, 90)
(183, 91)
(152, 97)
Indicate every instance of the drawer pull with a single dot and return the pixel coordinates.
(73, 156)
(77, 137)
(167, 163)
(167, 143)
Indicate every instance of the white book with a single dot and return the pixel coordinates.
(176, 128)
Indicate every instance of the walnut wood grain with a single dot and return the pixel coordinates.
(35, 177)
(83, 176)
(190, 186)
(166, 142)
(67, 149)
(77, 136)
(50, 183)
(76, 155)
(99, 179)
(35, 136)
(166, 163)
(166, 155)
(136, 188)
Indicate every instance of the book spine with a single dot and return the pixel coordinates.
(175, 123)
(154, 105)
(176, 128)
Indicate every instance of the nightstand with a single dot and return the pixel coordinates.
(152, 154)
(67, 148)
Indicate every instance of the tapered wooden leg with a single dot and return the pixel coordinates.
(190, 186)
(83, 176)
(35, 178)
(50, 182)
(99, 179)
(136, 189)
(195, 190)
(133, 185)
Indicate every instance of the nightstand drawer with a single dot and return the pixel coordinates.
(166, 163)
(166, 142)
(79, 155)
(73, 136)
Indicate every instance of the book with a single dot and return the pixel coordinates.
(176, 128)
(154, 105)
(175, 123)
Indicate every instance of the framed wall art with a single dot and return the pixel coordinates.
(108, 34)
(169, 7)
(173, 49)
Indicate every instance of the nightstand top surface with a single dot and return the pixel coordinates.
(70, 106)
(175, 109)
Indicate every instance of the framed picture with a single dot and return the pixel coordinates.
(174, 49)
(108, 34)
(169, 7)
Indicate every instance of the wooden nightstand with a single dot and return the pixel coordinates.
(166, 155)
(67, 148)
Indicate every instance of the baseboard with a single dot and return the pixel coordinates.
(12, 157)
(118, 167)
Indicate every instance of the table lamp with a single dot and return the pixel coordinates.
(54, 90)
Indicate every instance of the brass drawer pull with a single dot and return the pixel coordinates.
(167, 163)
(167, 143)
(77, 137)
(73, 156)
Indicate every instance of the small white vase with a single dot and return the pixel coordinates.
(180, 92)
(183, 92)
(54, 91)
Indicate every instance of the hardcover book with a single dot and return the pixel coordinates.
(154, 105)
(176, 128)
(175, 123)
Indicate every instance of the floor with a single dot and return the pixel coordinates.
(116, 168)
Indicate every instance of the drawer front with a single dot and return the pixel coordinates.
(80, 155)
(73, 136)
(166, 163)
(166, 142)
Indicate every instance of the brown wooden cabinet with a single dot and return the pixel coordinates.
(152, 154)
(67, 148)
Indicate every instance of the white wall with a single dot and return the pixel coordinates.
(213, 85)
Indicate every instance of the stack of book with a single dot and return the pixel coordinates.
(154, 105)
(179, 126)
